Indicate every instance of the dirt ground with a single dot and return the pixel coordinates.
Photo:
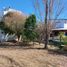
(31, 57)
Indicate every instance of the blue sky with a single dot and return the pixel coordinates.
(27, 7)
(23, 5)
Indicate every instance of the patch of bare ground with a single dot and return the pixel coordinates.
(19, 56)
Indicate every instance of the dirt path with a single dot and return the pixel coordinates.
(31, 58)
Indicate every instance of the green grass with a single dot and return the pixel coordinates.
(57, 43)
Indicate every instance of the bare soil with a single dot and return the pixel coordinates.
(15, 56)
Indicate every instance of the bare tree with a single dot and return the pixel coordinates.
(40, 30)
(47, 13)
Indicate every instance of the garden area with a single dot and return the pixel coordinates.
(35, 39)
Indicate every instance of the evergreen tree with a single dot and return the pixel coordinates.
(29, 28)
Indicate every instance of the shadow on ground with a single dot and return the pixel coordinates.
(14, 46)
(57, 52)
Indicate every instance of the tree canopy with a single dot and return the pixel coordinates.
(29, 27)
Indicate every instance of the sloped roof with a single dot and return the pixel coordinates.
(13, 10)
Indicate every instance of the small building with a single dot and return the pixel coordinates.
(59, 26)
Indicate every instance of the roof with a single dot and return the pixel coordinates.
(12, 10)
(60, 29)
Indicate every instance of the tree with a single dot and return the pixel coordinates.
(44, 10)
(29, 28)
(15, 22)
(5, 28)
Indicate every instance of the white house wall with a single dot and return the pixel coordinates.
(60, 24)
(65, 25)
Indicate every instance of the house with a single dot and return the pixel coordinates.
(60, 25)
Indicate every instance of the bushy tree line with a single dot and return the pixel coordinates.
(27, 30)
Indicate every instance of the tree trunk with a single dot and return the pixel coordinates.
(46, 34)
(18, 37)
(46, 41)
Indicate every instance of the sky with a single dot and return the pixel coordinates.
(26, 6)
(22, 5)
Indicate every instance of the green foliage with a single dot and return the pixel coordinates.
(29, 28)
(5, 28)
(30, 22)
(56, 44)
